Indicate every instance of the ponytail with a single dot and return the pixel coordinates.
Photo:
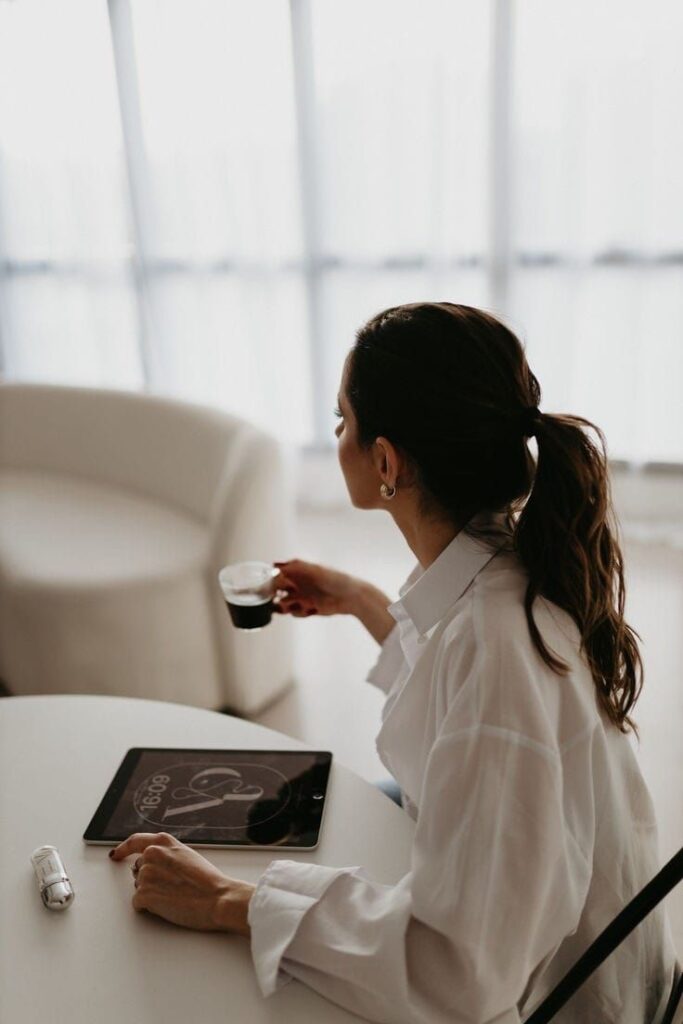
(566, 539)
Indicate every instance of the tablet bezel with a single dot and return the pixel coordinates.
(109, 802)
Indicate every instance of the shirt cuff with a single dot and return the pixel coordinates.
(384, 672)
(284, 893)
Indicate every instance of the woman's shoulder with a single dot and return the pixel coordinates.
(498, 610)
(487, 639)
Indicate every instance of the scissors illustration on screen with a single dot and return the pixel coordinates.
(221, 784)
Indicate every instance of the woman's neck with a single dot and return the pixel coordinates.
(426, 538)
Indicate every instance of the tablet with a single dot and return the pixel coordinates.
(219, 798)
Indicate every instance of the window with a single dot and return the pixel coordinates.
(597, 284)
(68, 310)
(206, 198)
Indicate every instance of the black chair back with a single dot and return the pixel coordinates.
(608, 940)
(670, 1015)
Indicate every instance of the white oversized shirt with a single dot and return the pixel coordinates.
(534, 827)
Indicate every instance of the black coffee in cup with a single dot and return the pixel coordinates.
(248, 590)
(252, 612)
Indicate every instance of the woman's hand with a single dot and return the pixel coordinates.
(315, 590)
(312, 589)
(177, 883)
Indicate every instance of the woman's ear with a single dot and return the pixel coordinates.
(388, 461)
(380, 456)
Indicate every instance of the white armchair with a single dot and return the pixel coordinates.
(116, 512)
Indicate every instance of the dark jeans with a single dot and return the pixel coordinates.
(392, 789)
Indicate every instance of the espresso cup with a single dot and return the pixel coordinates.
(248, 589)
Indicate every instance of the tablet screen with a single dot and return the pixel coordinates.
(216, 797)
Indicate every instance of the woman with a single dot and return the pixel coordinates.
(510, 676)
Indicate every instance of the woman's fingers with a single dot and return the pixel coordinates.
(295, 609)
(282, 577)
(177, 883)
(284, 583)
(297, 605)
(294, 573)
(290, 599)
(285, 577)
(138, 843)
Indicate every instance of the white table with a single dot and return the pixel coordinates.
(99, 961)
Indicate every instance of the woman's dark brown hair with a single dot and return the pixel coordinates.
(450, 386)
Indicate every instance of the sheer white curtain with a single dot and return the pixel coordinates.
(177, 266)
(400, 129)
(597, 288)
(67, 308)
(224, 244)
(207, 197)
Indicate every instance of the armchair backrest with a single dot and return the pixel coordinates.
(168, 450)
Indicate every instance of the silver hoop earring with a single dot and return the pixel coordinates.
(387, 492)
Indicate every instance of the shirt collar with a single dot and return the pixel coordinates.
(428, 593)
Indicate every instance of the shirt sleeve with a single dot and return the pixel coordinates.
(390, 662)
(496, 883)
